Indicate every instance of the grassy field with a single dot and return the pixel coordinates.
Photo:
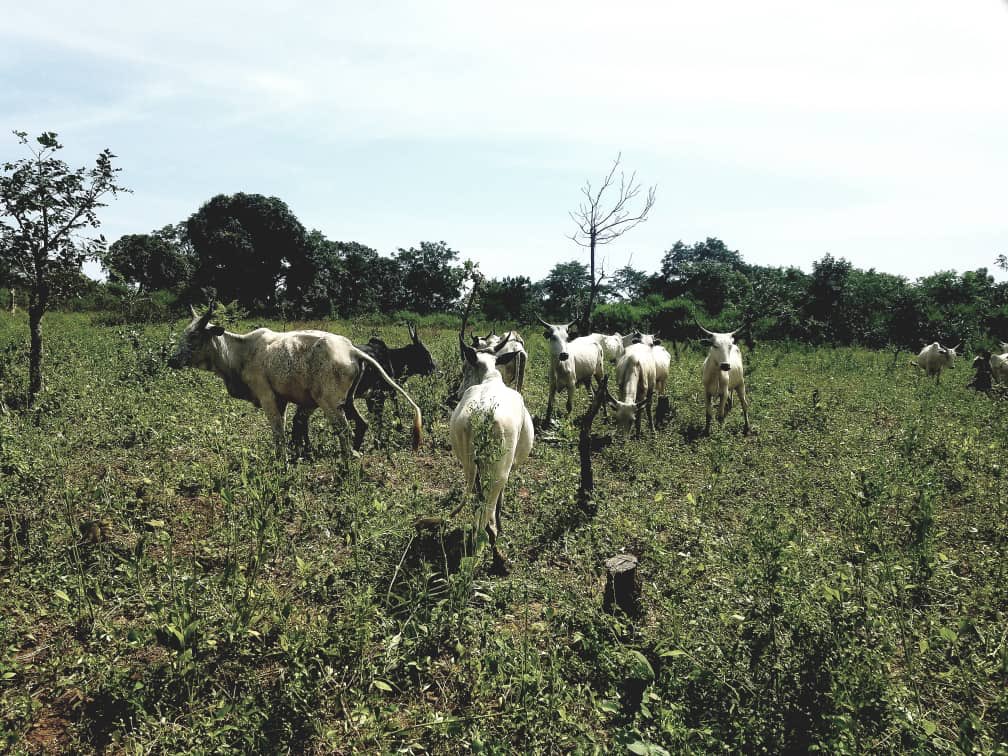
(835, 582)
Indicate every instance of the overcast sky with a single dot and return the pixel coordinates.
(875, 131)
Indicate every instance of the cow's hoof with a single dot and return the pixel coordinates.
(501, 567)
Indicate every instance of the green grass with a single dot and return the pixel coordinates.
(835, 582)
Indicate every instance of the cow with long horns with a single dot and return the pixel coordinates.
(271, 370)
(573, 362)
(722, 374)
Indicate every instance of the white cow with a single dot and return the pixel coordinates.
(635, 376)
(572, 362)
(612, 346)
(307, 368)
(722, 374)
(485, 399)
(999, 364)
(934, 358)
(513, 371)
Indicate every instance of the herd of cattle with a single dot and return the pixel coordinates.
(312, 368)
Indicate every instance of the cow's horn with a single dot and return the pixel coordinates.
(548, 325)
(708, 332)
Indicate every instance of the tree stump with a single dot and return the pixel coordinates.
(621, 588)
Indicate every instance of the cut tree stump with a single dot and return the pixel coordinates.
(621, 588)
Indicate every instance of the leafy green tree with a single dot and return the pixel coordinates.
(707, 272)
(45, 210)
(510, 299)
(566, 290)
(250, 248)
(826, 303)
(158, 260)
(628, 283)
(431, 283)
(774, 307)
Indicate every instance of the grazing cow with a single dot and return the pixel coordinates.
(513, 371)
(612, 346)
(307, 368)
(722, 374)
(572, 362)
(485, 399)
(635, 375)
(934, 358)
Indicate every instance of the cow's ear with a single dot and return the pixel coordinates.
(215, 330)
(547, 334)
(504, 359)
(656, 342)
(468, 353)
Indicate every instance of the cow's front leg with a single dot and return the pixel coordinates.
(650, 416)
(299, 431)
(274, 409)
(549, 402)
(744, 403)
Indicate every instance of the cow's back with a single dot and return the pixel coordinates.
(301, 366)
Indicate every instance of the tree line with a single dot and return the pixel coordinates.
(252, 249)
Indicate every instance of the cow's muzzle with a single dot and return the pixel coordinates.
(563, 356)
(725, 366)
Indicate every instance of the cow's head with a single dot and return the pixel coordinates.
(624, 413)
(192, 349)
(418, 357)
(557, 337)
(721, 345)
(648, 339)
(948, 354)
(477, 366)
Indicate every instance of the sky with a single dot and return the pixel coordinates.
(873, 131)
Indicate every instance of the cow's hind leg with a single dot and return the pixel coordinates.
(274, 409)
(489, 520)
(341, 428)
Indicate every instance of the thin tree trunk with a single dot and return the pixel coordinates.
(35, 311)
(13, 301)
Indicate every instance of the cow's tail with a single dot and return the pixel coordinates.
(417, 418)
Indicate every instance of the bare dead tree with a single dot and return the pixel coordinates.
(604, 215)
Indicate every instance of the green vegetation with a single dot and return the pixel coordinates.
(835, 582)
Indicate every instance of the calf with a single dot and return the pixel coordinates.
(271, 370)
(723, 373)
(572, 362)
(635, 375)
(934, 358)
(485, 398)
